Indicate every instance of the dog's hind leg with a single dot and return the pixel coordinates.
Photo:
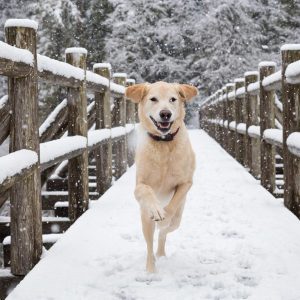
(175, 222)
(148, 231)
(161, 243)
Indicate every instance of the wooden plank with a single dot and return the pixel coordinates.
(10, 181)
(60, 158)
(50, 198)
(267, 120)
(26, 228)
(291, 123)
(14, 69)
(77, 125)
(55, 79)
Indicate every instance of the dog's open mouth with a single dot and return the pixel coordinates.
(162, 126)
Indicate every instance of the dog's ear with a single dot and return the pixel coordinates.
(136, 92)
(187, 92)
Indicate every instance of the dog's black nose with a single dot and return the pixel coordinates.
(165, 115)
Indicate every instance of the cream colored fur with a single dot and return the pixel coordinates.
(164, 169)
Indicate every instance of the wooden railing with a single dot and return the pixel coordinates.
(250, 122)
(75, 137)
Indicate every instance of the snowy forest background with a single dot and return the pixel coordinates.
(203, 42)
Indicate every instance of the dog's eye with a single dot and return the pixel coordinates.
(153, 99)
(173, 99)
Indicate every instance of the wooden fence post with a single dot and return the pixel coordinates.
(218, 117)
(26, 221)
(130, 106)
(251, 116)
(267, 120)
(239, 138)
(130, 119)
(224, 117)
(103, 120)
(77, 125)
(231, 114)
(119, 119)
(291, 123)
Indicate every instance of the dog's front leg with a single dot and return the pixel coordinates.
(175, 203)
(148, 201)
(150, 210)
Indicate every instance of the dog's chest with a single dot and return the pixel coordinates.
(167, 168)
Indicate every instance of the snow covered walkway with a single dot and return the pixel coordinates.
(236, 242)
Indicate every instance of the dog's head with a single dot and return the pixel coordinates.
(161, 104)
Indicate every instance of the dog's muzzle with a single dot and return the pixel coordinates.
(163, 126)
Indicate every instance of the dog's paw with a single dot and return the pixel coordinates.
(165, 223)
(156, 212)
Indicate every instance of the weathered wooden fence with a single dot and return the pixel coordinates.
(263, 133)
(73, 155)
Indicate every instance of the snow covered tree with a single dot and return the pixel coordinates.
(208, 42)
(94, 30)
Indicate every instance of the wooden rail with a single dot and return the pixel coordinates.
(250, 122)
(75, 131)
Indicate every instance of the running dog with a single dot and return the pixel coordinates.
(165, 161)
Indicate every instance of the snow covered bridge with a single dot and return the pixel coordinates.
(239, 238)
(236, 242)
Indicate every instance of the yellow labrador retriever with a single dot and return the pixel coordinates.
(165, 160)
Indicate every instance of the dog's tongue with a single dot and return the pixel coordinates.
(164, 124)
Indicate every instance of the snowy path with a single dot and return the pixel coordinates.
(236, 242)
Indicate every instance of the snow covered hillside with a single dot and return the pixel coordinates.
(236, 242)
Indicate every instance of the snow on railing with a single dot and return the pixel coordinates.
(254, 131)
(3, 101)
(97, 136)
(52, 150)
(16, 162)
(293, 143)
(241, 128)
(16, 54)
(55, 67)
(274, 136)
(292, 72)
(275, 78)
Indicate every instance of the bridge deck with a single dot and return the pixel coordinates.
(236, 242)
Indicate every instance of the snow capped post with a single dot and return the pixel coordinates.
(267, 120)
(26, 222)
(291, 123)
(231, 115)
(103, 120)
(119, 119)
(77, 125)
(239, 138)
(251, 106)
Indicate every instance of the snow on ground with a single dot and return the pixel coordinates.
(236, 241)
